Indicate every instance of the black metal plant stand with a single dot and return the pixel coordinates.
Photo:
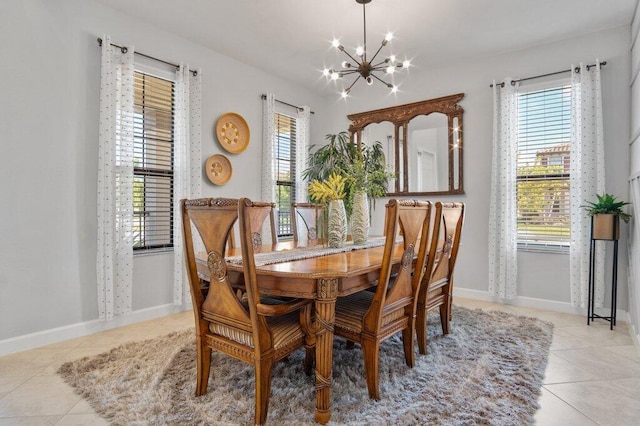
(591, 315)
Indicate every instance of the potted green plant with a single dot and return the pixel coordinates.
(364, 169)
(606, 214)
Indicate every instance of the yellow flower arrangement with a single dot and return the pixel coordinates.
(328, 190)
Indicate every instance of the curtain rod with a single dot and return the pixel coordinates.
(576, 69)
(286, 103)
(124, 49)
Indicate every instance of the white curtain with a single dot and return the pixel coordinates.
(303, 128)
(268, 192)
(587, 179)
(114, 262)
(303, 125)
(503, 233)
(187, 166)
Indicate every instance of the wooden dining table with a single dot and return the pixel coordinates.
(323, 278)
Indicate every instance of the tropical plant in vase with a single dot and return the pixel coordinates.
(332, 192)
(331, 189)
(366, 180)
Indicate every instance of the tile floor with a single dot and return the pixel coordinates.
(593, 375)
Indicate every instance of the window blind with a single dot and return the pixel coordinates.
(153, 153)
(285, 162)
(543, 165)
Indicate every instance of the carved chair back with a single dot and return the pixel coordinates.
(213, 219)
(306, 219)
(258, 229)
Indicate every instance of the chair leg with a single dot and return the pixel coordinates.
(421, 330)
(203, 367)
(371, 351)
(407, 343)
(309, 359)
(263, 389)
(444, 317)
(309, 339)
(450, 293)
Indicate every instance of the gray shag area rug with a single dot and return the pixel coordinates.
(488, 370)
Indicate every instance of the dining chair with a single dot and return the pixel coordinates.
(251, 328)
(368, 318)
(306, 219)
(437, 283)
(259, 229)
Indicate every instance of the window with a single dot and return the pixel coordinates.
(153, 154)
(285, 162)
(543, 165)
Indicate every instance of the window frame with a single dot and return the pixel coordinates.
(545, 246)
(145, 249)
(281, 184)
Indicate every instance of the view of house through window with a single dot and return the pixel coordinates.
(285, 161)
(153, 154)
(544, 145)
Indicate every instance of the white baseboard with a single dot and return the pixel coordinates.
(55, 335)
(532, 302)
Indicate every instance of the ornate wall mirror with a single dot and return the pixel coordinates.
(422, 142)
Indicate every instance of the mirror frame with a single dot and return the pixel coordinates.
(400, 116)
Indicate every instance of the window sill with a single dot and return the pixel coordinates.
(152, 252)
(551, 248)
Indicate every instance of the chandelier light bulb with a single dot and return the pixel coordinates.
(359, 50)
(325, 72)
(388, 36)
(345, 64)
(335, 43)
(394, 89)
(391, 69)
(406, 64)
(344, 94)
(369, 80)
(334, 76)
(392, 58)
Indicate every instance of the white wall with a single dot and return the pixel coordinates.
(634, 168)
(541, 276)
(49, 83)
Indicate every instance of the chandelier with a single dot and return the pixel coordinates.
(365, 67)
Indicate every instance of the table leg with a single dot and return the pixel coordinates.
(325, 319)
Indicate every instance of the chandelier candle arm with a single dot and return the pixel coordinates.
(362, 66)
(389, 85)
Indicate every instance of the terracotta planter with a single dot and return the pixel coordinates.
(605, 227)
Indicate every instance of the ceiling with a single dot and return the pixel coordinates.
(291, 38)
